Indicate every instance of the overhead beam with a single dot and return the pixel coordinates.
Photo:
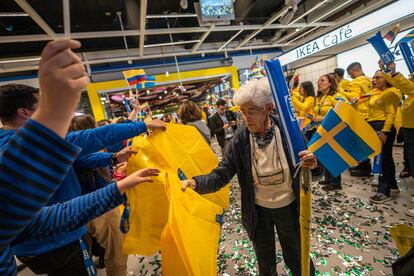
(230, 40)
(276, 16)
(308, 12)
(66, 18)
(102, 34)
(286, 37)
(36, 17)
(202, 38)
(5, 69)
(142, 21)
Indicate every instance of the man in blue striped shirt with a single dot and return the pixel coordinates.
(17, 104)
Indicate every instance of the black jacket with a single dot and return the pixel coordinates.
(237, 160)
(216, 125)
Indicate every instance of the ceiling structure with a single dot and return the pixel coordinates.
(127, 31)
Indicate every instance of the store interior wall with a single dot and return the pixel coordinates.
(313, 71)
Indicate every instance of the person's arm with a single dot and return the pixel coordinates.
(93, 140)
(307, 104)
(32, 165)
(354, 91)
(74, 213)
(134, 112)
(391, 103)
(94, 160)
(103, 159)
(218, 178)
(36, 158)
(401, 83)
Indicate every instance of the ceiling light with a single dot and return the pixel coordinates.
(159, 97)
(165, 92)
(148, 92)
(13, 14)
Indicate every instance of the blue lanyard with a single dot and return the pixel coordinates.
(87, 259)
(124, 225)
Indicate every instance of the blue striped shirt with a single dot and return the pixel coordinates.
(28, 178)
(52, 220)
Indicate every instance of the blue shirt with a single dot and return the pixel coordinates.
(90, 141)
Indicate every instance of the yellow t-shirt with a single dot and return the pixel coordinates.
(344, 84)
(407, 106)
(358, 87)
(383, 105)
(304, 107)
(323, 104)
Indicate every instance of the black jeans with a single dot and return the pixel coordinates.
(64, 261)
(386, 181)
(286, 220)
(333, 181)
(409, 148)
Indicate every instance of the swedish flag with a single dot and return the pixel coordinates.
(343, 139)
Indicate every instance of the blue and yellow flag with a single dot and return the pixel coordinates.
(343, 139)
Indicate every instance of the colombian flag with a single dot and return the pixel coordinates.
(343, 139)
(134, 76)
(392, 34)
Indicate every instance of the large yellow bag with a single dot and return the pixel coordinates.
(148, 202)
(189, 242)
(403, 236)
(177, 147)
(183, 147)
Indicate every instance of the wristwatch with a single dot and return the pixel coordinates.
(114, 159)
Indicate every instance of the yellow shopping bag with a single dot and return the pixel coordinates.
(148, 202)
(177, 147)
(403, 236)
(184, 148)
(189, 242)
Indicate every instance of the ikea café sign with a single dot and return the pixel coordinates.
(388, 14)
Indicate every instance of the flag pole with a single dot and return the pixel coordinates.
(295, 144)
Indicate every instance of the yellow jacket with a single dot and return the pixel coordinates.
(407, 107)
(383, 106)
(304, 107)
(323, 104)
(357, 87)
(344, 84)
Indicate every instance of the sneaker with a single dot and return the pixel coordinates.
(360, 173)
(380, 198)
(404, 173)
(329, 188)
(409, 212)
(395, 191)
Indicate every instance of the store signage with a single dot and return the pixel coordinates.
(374, 20)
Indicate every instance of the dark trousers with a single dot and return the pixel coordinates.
(333, 181)
(64, 261)
(286, 221)
(409, 149)
(386, 181)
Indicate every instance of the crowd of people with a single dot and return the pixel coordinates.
(63, 178)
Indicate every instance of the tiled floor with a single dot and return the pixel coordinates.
(350, 236)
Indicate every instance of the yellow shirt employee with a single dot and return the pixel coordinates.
(327, 88)
(383, 106)
(407, 88)
(343, 84)
(359, 86)
(304, 103)
(326, 97)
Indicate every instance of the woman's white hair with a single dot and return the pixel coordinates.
(255, 91)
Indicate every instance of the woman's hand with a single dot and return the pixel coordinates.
(141, 176)
(308, 159)
(318, 118)
(188, 183)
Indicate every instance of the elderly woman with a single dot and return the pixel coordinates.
(269, 193)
